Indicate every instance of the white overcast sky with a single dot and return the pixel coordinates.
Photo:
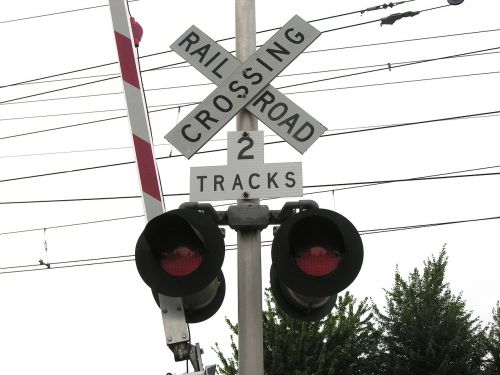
(102, 319)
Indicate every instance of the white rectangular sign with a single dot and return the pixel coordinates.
(246, 176)
(274, 180)
(241, 86)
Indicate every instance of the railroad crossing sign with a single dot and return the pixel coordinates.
(245, 85)
(246, 176)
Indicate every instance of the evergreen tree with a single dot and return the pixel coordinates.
(426, 329)
(493, 344)
(345, 342)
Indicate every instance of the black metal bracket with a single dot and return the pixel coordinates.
(251, 217)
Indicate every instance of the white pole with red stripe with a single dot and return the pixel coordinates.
(176, 330)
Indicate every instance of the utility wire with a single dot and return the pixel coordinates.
(57, 13)
(377, 20)
(40, 80)
(168, 51)
(131, 257)
(213, 140)
(422, 177)
(109, 78)
(177, 105)
(389, 83)
(382, 127)
(307, 193)
(88, 122)
(386, 68)
(73, 224)
(288, 86)
(351, 183)
(385, 65)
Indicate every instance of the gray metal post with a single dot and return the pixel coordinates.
(250, 338)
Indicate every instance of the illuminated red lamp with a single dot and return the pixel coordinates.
(181, 261)
(317, 260)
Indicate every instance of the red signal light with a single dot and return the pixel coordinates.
(317, 260)
(181, 261)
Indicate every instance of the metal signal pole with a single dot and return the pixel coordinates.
(250, 337)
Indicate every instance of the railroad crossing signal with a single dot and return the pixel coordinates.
(316, 254)
(245, 85)
(180, 254)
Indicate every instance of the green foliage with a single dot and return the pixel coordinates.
(345, 342)
(492, 365)
(426, 329)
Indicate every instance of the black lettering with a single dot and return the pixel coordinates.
(264, 64)
(266, 98)
(217, 103)
(250, 181)
(218, 180)
(308, 128)
(250, 76)
(237, 181)
(241, 154)
(296, 39)
(290, 122)
(289, 176)
(204, 120)
(216, 69)
(235, 89)
(271, 179)
(212, 59)
(276, 52)
(191, 39)
(202, 51)
(201, 178)
(281, 113)
(187, 137)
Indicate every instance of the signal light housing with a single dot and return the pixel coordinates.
(316, 253)
(180, 254)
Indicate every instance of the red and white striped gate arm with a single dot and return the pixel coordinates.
(152, 196)
(174, 320)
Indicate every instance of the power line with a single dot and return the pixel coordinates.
(351, 183)
(57, 13)
(382, 127)
(419, 226)
(109, 78)
(213, 140)
(131, 257)
(39, 80)
(130, 147)
(403, 40)
(378, 20)
(176, 105)
(73, 224)
(288, 86)
(385, 65)
(423, 177)
(359, 185)
(386, 68)
(390, 83)
(168, 51)
(87, 123)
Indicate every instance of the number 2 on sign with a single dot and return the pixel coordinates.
(241, 154)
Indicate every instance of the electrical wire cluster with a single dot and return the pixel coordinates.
(358, 70)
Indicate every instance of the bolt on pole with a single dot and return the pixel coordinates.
(250, 337)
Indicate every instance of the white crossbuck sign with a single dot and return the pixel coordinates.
(245, 85)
